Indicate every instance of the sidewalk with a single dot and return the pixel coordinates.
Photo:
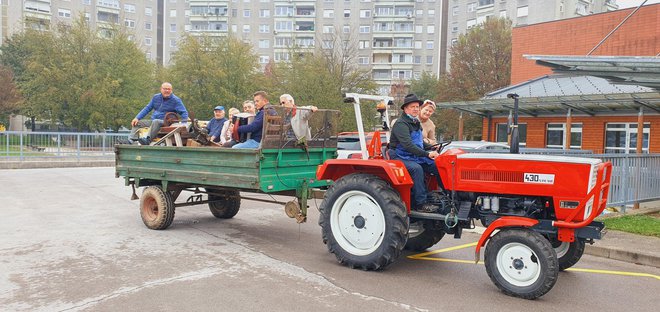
(629, 247)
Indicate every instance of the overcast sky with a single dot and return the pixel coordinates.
(633, 3)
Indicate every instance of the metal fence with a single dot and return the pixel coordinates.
(635, 178)
(18, 145)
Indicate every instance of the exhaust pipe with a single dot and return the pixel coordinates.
(515, 139)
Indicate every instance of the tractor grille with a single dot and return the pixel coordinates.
(492, 175)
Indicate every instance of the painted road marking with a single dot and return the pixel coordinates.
(425, 256)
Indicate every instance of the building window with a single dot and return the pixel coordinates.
(347, 13)
(264, 13)
(172, 13)
(246, 13)
(172, 43)
(87, 2)
(129, 23)
(172, 27)
(365, 13)
(365, 29)
(471, 23)
(418, 44)
(502, 133)
(556, 132)
(328, 13)
(129, 8)
(523, 11)
(430, 29)
(622, 138)
(264, 59)
(246, 28)
(503, 14)
(417, 59)
(284, 25)
(264, 43)
(147, 11)
(347, 29)
(147, 26)
(363, 60)
(328, 29)
(431, 12)
(147, 41)
(429, 45)
(363, 44)
(64, 13)
(264, 28)
(472, 6)
(429, 59)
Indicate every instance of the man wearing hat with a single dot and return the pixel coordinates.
(406, 144)
(215, 124)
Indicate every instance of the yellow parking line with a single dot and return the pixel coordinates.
(613, 272)
(424, 256)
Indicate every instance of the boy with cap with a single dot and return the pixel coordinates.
(215, 124)
(406, 145)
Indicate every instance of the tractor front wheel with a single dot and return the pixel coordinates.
(363, 222)
(568, 254)
(521, 263)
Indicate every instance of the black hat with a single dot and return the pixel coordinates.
(410, 98)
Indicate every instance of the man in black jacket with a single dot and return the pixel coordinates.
(407, 145)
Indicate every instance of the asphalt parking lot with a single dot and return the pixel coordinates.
(71, 240)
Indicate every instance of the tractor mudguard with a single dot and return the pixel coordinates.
(392, 171)
(501, 223)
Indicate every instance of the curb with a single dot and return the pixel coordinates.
(622, 255)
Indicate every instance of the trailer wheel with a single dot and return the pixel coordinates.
(228, 205)
(156, 208)
(568, 254)
(521, 263)
(422, 235)
(363, 222)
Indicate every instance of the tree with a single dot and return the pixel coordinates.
(72, 77)
(321, 77)
(426, 87)
(211, 71)
(480, 63)
(10, 97)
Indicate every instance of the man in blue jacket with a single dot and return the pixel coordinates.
(161, 103)
(215, 124)
(256, 126)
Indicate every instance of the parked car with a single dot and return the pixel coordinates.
(348, 144)
(483, 146)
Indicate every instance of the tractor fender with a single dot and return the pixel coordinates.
(502, 222)
(392, 171)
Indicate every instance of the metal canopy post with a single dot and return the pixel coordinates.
(569, 120)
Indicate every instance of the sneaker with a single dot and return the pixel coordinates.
(427, 207)
(144, 141)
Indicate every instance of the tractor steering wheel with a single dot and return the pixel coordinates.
(439, 146)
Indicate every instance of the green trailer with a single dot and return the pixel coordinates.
(221, 177)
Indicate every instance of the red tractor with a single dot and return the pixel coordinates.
(538, 210)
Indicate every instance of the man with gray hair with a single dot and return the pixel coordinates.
(161, 103)
(298, 117)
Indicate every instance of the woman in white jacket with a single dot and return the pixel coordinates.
(225, 134)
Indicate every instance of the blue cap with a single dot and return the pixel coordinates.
(219, 107)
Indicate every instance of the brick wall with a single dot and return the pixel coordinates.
(639, 36)
(593, 130)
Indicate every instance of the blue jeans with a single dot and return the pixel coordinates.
(416, 172)
(247, 144)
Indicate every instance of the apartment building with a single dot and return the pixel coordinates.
(465, 14)
(396, 39)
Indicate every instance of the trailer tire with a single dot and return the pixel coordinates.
(156, 208)
(229, 205)
(422, 235)
(364, 222)
(521, 263)
(568, 253)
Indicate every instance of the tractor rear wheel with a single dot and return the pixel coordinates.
(364, 222)
(422, 235)
(156, 208)
(521, 263)
(568, 253)
(225, 203)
